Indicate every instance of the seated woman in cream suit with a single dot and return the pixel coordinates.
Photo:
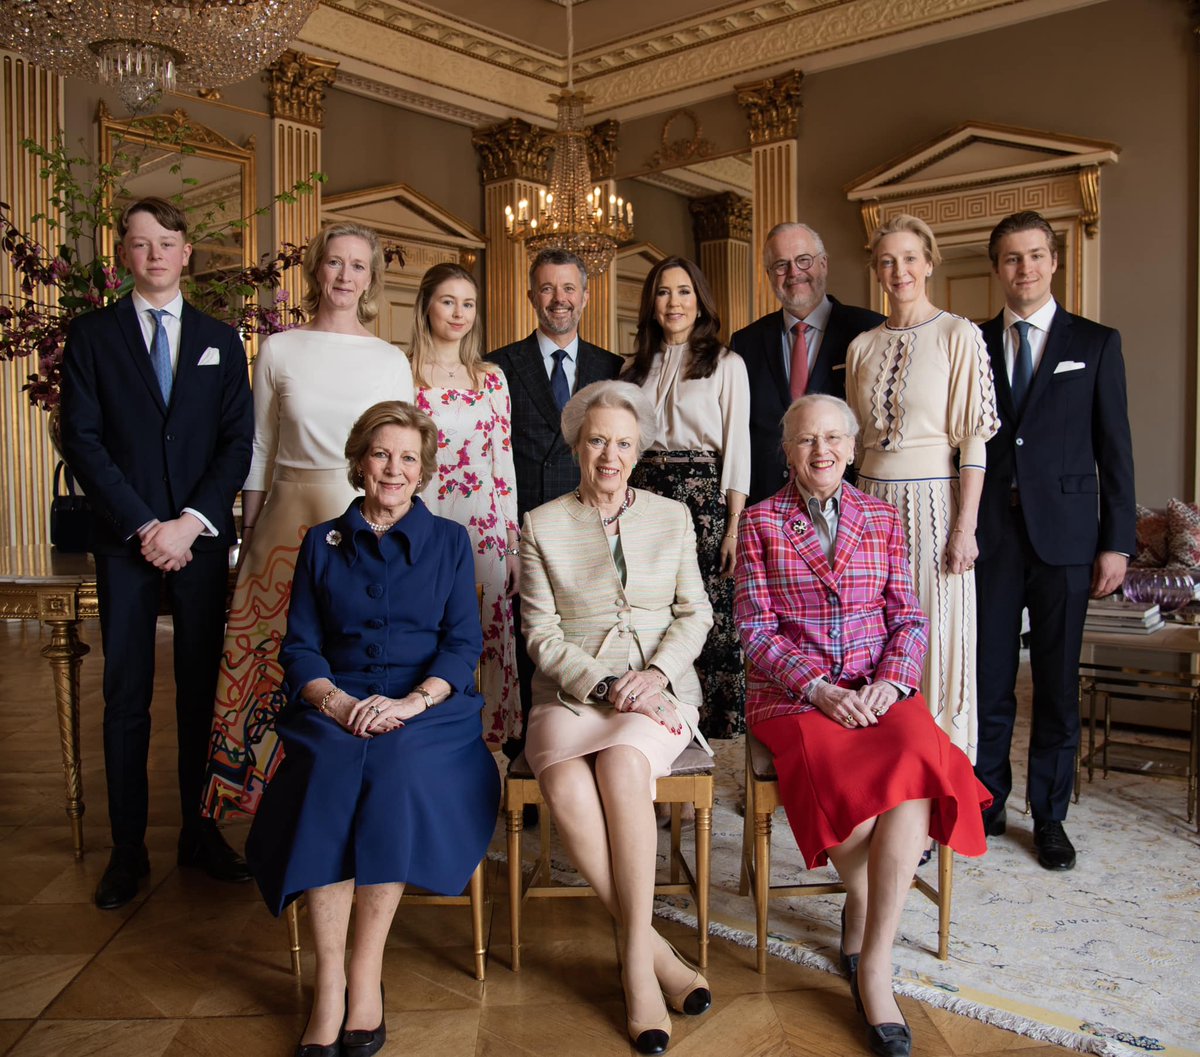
(614, 615)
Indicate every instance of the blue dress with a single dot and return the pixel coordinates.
(417, 805)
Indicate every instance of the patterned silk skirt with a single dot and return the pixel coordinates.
(694, 479)
(244, 749)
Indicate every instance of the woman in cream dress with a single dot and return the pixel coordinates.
(921, 385)
(614, 614)
(310, 385)
(700, 456)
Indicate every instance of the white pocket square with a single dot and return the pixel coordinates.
(1069, 365)
(839, 367)
(212, 357)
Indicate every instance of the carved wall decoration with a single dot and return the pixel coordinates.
(513, 150)
(773, 107)
(297, 84)
(602, 149)
(722, 216)
(674, 152)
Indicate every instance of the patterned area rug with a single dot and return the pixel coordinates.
(1104, 958)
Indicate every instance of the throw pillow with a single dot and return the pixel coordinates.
(1151, 538)
(1183, 533)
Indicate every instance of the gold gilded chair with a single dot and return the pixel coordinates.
(690, 782)
(762, 799)
(475, 896)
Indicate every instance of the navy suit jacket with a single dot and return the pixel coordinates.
(137, 458)
(1070, 451)
(544, 463)
(760, 345)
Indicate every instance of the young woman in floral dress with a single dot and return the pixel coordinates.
(476, 484)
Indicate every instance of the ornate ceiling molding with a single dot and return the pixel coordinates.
(473, 66)
(410, 100)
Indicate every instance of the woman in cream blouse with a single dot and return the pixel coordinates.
(614, 614)
(700, 455)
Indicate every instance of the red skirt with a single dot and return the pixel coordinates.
(832, 779)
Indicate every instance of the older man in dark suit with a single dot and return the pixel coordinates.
(799, 349)
(157, 424)
(1056, 521)
(543, 371)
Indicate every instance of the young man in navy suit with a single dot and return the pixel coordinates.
(543, 371)
(783, 364)
(1056, 522)
(157, 425)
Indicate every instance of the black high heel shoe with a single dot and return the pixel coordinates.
(326, 1049)
(849, 964)
(359, 1043)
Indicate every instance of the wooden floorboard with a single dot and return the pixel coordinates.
(194, 968)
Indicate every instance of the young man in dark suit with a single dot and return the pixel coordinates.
(799, 349)
(157, 425)
(543, 370)
(1056, 521)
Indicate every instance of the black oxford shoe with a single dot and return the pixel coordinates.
(995, 823)
(203, 847)
(1054, 848)
(119, 882)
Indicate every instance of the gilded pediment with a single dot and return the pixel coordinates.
(980, 153)
(401, 214)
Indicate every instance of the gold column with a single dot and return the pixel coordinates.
(773, 107)
(297, 88)
(722, 225)
(512, 158)
(33, 109)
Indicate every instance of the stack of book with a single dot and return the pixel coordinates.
(1122, 615)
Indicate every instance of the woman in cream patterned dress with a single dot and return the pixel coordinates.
(476, 482)
(921, 385)
(310, 385)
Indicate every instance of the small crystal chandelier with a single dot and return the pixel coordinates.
(572, 215)
(147, 47)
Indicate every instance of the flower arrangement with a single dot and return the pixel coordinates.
(56, 284)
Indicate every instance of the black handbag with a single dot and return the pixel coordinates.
(71, 525)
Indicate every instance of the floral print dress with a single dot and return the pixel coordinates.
(477, 487)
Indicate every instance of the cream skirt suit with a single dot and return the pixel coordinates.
(583, 622)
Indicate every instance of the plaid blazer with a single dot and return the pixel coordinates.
(799, 619)
(545, 469)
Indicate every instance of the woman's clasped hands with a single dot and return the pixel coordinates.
(368, 716)
(642, 691)
(855, 708)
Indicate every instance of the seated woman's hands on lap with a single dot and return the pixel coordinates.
(641, 691)
(855, 708)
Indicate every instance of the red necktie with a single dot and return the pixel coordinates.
(799, 380)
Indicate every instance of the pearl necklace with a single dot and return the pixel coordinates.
(379, 529)
(624, 506)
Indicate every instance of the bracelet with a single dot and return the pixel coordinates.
(731, 535)
(323, 707)
(429, 701)
(511, 552)
(965, 532)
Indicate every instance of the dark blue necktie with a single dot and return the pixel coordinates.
(558, 380)
(160, 354)
(1022, 366)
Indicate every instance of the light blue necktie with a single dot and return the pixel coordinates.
(1023, 366)
(160, 354)
(558, 379)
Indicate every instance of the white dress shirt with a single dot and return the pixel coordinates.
(1040, 321)
(548, 349)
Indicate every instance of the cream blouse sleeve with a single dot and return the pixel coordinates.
(971, 418)
(854, 386)
(266, 420)
(734, 398)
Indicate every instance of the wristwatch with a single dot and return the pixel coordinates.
(601, 689)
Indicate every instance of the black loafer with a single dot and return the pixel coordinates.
(848, 962)
(316, 1049)
(889, 1040)
(995, 823)
(360, 1043)
(119, 882)
(202, 846)
(1054, 847)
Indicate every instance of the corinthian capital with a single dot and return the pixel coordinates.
(723, 216)
(298, 82)
(773, 107)
(513, 149)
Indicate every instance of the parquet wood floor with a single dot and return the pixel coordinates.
(194, 968)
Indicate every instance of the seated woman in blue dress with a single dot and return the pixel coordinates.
(385, 779)
(836, 642)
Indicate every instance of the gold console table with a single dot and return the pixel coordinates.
(39, 583)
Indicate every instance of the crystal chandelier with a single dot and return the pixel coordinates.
(147, 47)
(573, 214)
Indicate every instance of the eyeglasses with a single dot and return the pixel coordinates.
(808, 441)
(802, 263)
